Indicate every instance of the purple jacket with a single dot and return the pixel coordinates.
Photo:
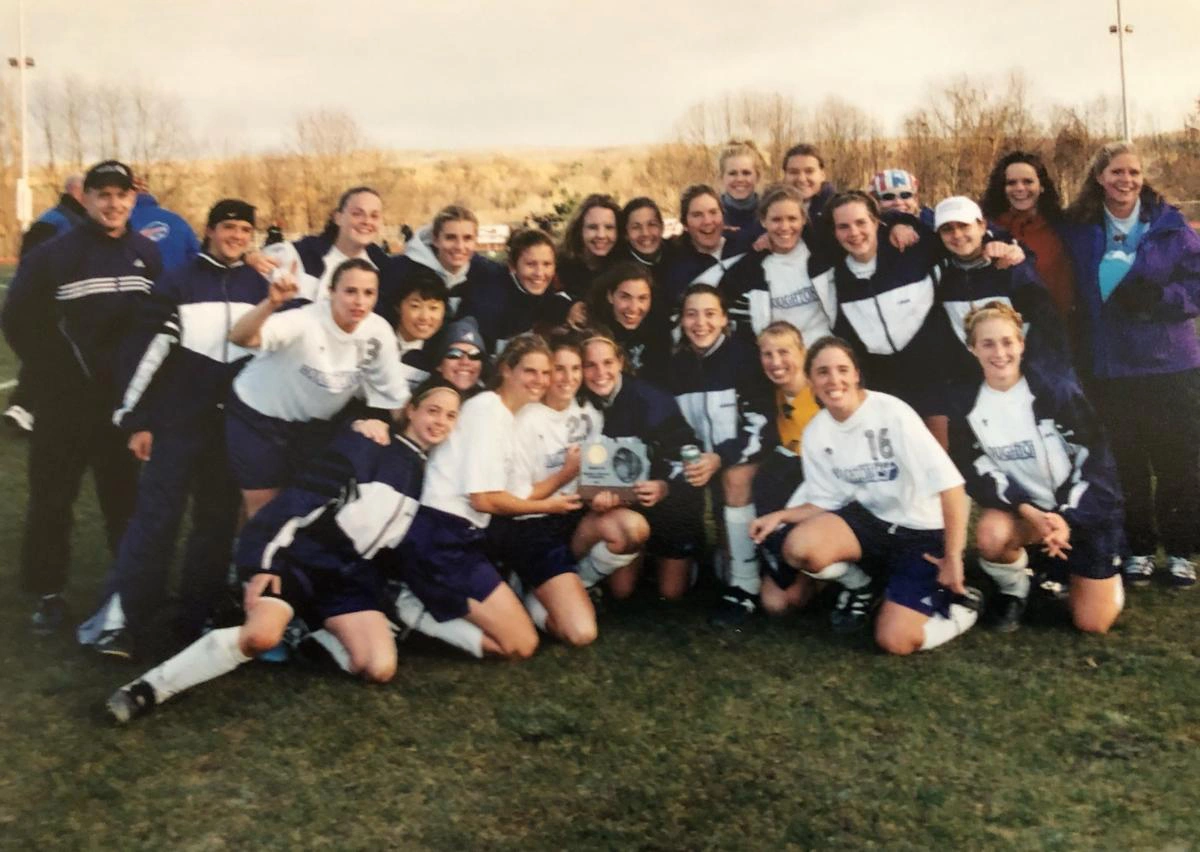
(1146, 326)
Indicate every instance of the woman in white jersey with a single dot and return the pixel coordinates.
(880, 492)
(1037, 463)
(595, 540)
(447, 559)
(314, 360)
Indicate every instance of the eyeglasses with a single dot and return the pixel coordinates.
(458, 354)
(892, 196)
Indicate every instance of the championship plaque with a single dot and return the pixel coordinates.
(613, 464)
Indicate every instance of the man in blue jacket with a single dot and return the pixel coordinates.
(174, 237)
(67, 311)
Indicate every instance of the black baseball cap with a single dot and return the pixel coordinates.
(108, 173)
(228, 209)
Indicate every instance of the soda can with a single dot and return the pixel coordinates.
(689, 453)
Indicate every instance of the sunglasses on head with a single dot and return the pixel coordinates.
(456, 354)
(892, 196)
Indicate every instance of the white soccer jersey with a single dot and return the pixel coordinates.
(307, 368)
(1017, 447)
(542, 438)
(477, 457)
(882, 457)
(792, 296)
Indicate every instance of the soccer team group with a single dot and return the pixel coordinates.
(395, 443)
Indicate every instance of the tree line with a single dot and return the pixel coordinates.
(950, 141)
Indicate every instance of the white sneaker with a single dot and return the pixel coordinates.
(19, 417)
(1138, 570)
(1182, 571)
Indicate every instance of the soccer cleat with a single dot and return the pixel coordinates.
(971, 598)
(19, 417)
(853, 609)
(49, 615)
(114, 643)
(1181, 571)
(1009, 609)
(734, 608)
(131, 701)
(1138, 570)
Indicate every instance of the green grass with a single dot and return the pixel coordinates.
(664, 735)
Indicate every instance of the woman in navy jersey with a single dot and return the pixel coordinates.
(587, 245)
(783, 280)
(317, 552)
(704, 250)
(721, 390)
(524, 300)
(351, 233)
(1036, 461)
(740, 168)
(635, 408)
(314, 360)
(969, 277)
(624, 302)
(642, 229)
(881, 505)
(447, 560)
(445, 247)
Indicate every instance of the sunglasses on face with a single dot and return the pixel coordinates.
(892, 196)
(459, 354)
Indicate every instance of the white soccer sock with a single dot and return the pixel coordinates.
(846, 574)
(458, 632)
(743, 556)
(212, 655)
(939, 629)
(537, 610)
(599, 562)
(1012, 578)
(334, 647)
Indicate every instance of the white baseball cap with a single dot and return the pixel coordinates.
(956, 208)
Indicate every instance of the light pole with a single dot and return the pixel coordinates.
(21, 62)
(1119, 30)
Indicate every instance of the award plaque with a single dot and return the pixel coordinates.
(613, 464)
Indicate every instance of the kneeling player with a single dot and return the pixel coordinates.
(1036, 461)
(878, 491)
(312, 551)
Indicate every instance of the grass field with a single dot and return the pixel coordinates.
(664, 735)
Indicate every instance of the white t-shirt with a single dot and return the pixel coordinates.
(1015, 447)
(793, 296)
(883, 457)
(307, 368)
(477, 457)
(542, 436)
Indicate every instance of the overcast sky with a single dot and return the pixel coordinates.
(538, 73)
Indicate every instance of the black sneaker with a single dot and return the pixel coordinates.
(971, 598)
(1008, 612)
(734, 608)
(853, 609)
(131, 701)
(115, 643)
(19, 418)
(49, 615)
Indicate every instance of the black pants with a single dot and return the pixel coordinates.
(74, 432)
(1153, 423)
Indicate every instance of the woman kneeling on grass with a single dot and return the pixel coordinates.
(1035, 460)
(314, 551)
(453, 589)
(594, 541)
(878, 491)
